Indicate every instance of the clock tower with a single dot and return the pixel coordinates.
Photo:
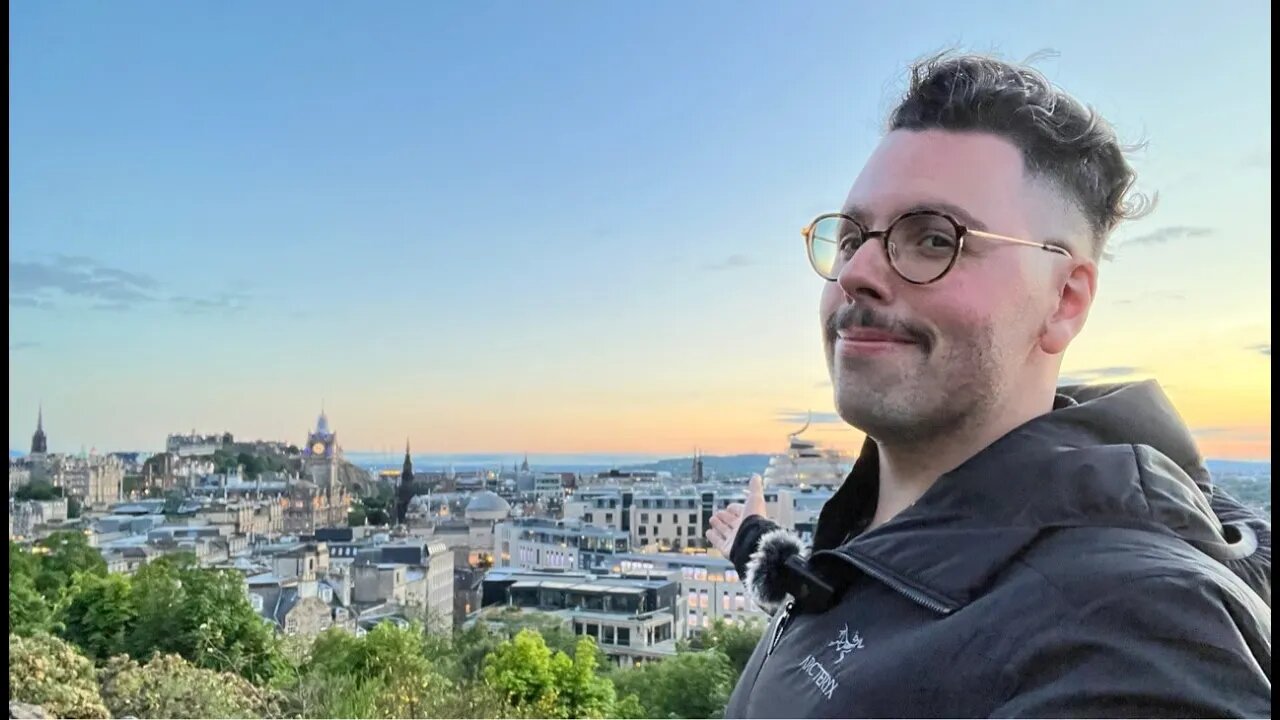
(321, 455)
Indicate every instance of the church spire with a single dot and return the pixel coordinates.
(524, 466)
(322, 423)
(39, 442)
(404, 493)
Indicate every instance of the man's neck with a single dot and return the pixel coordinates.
(908, 470)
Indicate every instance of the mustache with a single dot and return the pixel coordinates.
(864, 316)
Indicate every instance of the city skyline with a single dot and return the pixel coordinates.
(571, 231)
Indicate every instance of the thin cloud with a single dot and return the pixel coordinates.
(26, 301)
(34, 284)
(1237, 434)
(1208, 432)
(78, 277)
(1152, 297)
(1263, 349)
(73, 261)
(799, 417)
(201, 306)
(1093, 375)
(1166, 234)
(732, 262)
(24, 345)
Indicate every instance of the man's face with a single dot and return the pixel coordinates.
(908, 362)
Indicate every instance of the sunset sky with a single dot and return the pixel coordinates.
(561, 226)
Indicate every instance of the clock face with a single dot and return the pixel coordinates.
(318, 449)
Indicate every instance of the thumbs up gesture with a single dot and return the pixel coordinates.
(725, 523)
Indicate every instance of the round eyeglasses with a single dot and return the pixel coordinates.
(922, 246)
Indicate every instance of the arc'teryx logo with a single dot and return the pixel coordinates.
(819, 675)
(844, 644)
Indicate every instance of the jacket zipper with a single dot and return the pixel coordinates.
(782, 626)
(918, 595)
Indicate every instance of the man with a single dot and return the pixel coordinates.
(1002, 547)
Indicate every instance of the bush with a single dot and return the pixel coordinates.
(383, 674)
(170, 687)
(536, 680)
(689, 685)
(48, 672)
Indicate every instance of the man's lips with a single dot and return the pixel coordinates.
(871, 335)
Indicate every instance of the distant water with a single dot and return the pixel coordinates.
(564, 462)
(589, 462)
(1239, 467)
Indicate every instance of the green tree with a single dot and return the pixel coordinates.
(357, 516)
(689, 685)
(378, 518)
(62, 555)
(537, 680)
(204, 616)
(736, 640)
(29, 612)
(551, 627)
(132, 484)
(469, 648)
(383, 674)
(48, 672)
(74, 508)
(99, 614)
(224, 461)
(253, 464)
(173, 500)
(583, 692)
(38, 490)
(525, 671)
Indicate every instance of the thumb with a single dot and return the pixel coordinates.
(755, 497)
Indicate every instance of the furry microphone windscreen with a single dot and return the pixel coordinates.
(767, 569)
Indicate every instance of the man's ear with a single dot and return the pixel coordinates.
(1075, 296)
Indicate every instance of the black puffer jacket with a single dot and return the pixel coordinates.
(1073, 568)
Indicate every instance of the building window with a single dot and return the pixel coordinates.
(679, 531)
(693, 532)
(624, 636)
(593, 630)
(659, 520)
(586, 517)
(739, 602)
(641, 531)
(608, 518)
(693, 518)
(644, 517)
(608, 635)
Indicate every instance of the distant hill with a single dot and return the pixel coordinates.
(718, 464)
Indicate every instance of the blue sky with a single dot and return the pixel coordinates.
(557, 226)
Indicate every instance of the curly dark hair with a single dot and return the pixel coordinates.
(1062, 140)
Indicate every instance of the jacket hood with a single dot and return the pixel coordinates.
(1106, 456)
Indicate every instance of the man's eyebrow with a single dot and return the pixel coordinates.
(955, 211)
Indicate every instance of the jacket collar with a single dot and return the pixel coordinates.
(1074, 466)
